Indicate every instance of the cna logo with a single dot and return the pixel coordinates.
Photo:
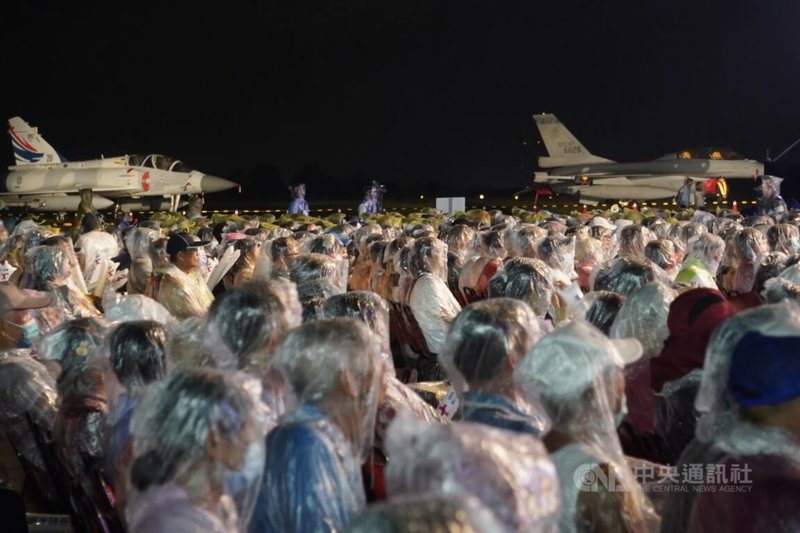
(23, 150)
(595, 477)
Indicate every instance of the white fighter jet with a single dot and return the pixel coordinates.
(570, 168)
(43, 179)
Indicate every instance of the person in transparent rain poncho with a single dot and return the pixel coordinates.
(371, 309)
(702, 261)
(198, 453)
(244, 328)
(79, 429)
(530, 280)
(26, 388)
(433, 305)
(484, 346)
(747, 248)
(179, 287)
(721, 430)
(770, 201)
(633, 239)
(666, 255)
(312, 478)
(508, 472)
(576, 371)
(624, 275)
(50, 269)
(317, 277)
(762, 448)
(94, 246)
(602, 308)
(784, 238)
(138, 242)
(136, 353)
(479, 269)
(644, 317)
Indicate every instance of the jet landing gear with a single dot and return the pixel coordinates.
(174, 202)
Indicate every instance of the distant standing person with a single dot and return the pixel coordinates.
(699, 196)
(298, 205)
(371, 202)
(684, 196)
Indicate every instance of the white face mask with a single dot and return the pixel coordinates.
(623, 411)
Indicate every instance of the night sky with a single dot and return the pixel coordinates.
(424, 96)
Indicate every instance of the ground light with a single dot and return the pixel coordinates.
(480, 196)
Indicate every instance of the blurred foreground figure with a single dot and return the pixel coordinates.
(578, 373)
(312, 478)
(197, 434)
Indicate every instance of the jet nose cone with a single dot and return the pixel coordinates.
(215, 184)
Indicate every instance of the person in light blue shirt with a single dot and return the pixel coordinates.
(312, 478)
(298, 205)
(485, 343)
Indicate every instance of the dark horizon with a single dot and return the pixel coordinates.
(424, 97)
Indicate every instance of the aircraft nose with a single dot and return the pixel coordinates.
(215, 184)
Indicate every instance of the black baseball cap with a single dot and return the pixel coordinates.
(180, 242)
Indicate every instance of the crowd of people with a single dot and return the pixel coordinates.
(479, 371)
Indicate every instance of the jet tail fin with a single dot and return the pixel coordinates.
(30, 148)
(562, 146)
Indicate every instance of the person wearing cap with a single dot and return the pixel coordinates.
(178, 286)
(764, 382)
(577, 372)
(770, 201)
(716, 435)
(298, 205)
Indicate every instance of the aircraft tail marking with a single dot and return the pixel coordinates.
(29, 147)
(562, 146)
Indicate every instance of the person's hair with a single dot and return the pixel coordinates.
(173, 422)
(137, 353)
(604, 310)
(250, 320)
(313, 356)
(525, 279)
(89, 222)
(487, 333)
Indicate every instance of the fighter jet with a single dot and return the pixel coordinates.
(43, 179)
(572, 169)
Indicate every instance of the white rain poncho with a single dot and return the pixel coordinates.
(312, 479)
(577, 373)
(95, 248)
(510, 473)
(748, 246)
(432, 303)
(484, 345)
(126, 307)
(624, 275)
(198, 453)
